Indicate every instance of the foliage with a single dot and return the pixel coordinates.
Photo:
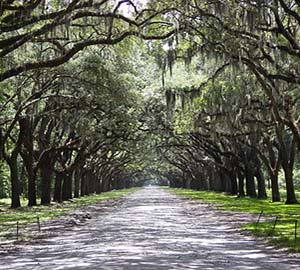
(198, 93)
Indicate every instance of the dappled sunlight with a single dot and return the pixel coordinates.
(153, 230)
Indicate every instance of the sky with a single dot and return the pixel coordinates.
(127, 9)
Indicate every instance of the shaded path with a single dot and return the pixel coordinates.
(152, 229)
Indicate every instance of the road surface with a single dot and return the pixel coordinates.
(152, 229)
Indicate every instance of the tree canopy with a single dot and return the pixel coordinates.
(96, 95)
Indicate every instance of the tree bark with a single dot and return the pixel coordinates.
(57, 197)
(46, 174)
(105, 184)
(28, 158)
(241, 184)
(234, 185)
(289, 182)
(77, 178)
(14, 175)
(98, 185)
(275, 188)
(82, 183)
(31, 180)
(250, 184)
(261, 185)
(287, 163)
(67, 186)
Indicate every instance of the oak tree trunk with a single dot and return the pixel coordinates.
(275, 188)
(250, 184)
(57, 197)
(46, 174)
(67, 186)
(289, 182)
(261, 185)
(14, 176)
(77, 177)
(241, 183)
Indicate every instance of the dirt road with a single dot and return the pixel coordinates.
(152, 230)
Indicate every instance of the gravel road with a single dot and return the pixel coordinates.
(152, 229)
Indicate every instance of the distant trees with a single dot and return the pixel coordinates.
(72, 129)
(69, 122)
(72, 118)
(248, 120)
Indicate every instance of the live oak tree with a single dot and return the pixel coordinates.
(46, 34)
(258, 39)
(75, 128)
(75, 121)
(61, 29)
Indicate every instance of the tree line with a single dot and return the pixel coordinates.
(74, 119)
(244, 116)
(70, 118)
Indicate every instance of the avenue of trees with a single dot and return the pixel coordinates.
(204, 94)
(245, 115)
(70, 122)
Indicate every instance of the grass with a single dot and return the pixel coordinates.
(55, 210)
(284, 233)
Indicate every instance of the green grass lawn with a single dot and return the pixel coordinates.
(284, 232)
(30, 214)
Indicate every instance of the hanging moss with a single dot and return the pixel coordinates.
(168, 94)
(163, 72)
(188, 57)
(171, 60)
(173, 101)
(251, 20)
(183, 100)
(219, 8)
(170, 99)
(163, 79)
